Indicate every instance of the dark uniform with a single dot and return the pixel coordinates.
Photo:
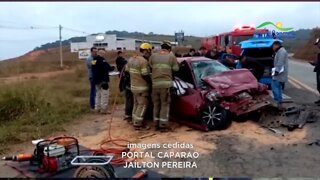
(317, 71)
(124, 86)
(162, 65)
(138, 68)
(100, 74)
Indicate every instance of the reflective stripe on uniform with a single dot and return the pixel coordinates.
(139, 88)
(175, 67)
(164, 120)
(134, 71)
(136, 117)
(161, 66)
(144, 71)
(160, 83)
(156, 119)
(142, 111)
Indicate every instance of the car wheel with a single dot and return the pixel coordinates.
(214, 117)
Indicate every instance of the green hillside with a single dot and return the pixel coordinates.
(292, 45)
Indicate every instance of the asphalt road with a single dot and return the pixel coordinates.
(301, 74)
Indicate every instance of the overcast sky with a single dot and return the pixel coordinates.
(194, 18)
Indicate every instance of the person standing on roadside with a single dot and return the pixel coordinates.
(191, 53)
(280, 71)
(201, 52)
(93, 54)
(124, 86)
(219, 53)
(141, 83)
(100, 73)
(211, 54)
(162, 65)
(120, 61)
(316, 69)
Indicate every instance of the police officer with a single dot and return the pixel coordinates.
(100, 73)
(162, 65)
(139, 71)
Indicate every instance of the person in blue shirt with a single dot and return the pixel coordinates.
(94, 53)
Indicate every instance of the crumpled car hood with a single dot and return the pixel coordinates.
(230, 82)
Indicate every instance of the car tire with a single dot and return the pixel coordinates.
(214, 117)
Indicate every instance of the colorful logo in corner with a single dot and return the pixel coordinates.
(282, 33)
(278, 25)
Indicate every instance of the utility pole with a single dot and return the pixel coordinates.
(61, 58)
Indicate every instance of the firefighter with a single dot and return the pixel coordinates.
(162, 65)
(141, 83)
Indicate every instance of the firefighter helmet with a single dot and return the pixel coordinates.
(166, 45)
(146, 46)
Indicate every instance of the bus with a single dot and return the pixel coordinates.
(232, 38)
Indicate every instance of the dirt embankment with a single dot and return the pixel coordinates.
(309, 51)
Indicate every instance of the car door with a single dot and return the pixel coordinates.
(187, 104)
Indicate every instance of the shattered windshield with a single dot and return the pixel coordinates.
(203, 69)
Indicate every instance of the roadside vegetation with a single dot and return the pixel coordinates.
(38, 62)
(308, 51)
(36, 108)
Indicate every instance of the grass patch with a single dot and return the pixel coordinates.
(36, 108)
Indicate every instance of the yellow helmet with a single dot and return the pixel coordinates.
(146, 46)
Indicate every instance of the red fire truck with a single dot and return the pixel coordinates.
(232, 39)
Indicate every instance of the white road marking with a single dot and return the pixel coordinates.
(295, 84)
(303, 85)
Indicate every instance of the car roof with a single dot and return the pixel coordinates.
(193, 59)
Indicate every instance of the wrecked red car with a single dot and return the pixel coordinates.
(207, 94)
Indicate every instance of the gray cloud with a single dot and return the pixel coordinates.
(195, 18)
